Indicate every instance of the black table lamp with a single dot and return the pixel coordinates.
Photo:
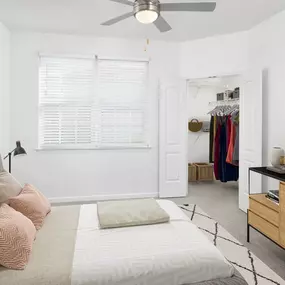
(19, 150)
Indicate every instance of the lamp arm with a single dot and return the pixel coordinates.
(10, 153)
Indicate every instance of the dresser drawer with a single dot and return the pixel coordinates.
(263, 226)
(264, 212)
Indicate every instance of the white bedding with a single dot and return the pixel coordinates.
(174, 253)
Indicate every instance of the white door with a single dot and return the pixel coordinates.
(173, 139)
(250, 136)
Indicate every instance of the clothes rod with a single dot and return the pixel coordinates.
(225, 102)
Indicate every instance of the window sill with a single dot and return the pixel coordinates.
(94, 148)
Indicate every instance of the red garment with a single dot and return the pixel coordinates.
(232, 144)
(217, 152)
(229, 127)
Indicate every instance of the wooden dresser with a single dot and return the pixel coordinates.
(268, 217)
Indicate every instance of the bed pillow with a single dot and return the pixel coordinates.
(9, 186)
(116, 214)
(32, 204)
(17, 234)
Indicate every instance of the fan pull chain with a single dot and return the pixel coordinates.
(147, 44)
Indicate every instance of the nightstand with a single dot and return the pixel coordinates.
(266, 216)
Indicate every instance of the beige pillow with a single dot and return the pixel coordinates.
(127, 213)
(32, 204)
(17, 234)
(9, 186)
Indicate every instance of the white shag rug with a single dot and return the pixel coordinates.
(252, 269)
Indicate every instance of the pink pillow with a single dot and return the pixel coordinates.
(32, 204)
(17, 234)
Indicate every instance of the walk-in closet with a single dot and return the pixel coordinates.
(213, 132)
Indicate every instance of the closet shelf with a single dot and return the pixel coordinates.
(224, 102)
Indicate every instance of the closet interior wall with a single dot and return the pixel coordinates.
(200, 93)
(199, 97)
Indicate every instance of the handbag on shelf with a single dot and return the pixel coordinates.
(195, 126)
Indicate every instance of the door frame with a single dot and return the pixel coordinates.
(240, 75)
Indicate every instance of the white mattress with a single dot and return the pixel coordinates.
(174, 253)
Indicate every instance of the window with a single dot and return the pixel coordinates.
(92, 103)
(122, 102)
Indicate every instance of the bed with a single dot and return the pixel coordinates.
(71, 249)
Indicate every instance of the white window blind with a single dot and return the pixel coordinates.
(122, 102)
(66, 100)
(89, 103)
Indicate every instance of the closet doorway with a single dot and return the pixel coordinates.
(228, 135)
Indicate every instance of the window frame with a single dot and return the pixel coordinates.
(96, 146)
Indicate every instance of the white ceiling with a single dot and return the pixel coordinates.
(85, 16)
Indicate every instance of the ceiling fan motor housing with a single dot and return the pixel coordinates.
(147, 5)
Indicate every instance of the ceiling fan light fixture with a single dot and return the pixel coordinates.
(146, 11)
(146, 16)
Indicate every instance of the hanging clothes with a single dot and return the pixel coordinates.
(229, 128)
(236, 147)
(213, 130)
(234, 140)
(217, 153)
(211, 145)
(224, 145)
(231, 143)
(228, 172)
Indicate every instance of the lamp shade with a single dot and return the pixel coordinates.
(146, 16)
(19, 150)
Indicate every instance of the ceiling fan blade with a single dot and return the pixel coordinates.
(189, 7)
(118, 19)
(162, 25)
(125, 2)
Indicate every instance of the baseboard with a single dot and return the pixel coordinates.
(95, 198)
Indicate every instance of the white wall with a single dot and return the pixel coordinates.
(198, 107)
(214, 56)
(96, 174)
(267, 52)
(4, 89)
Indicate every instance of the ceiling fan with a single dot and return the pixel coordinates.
(149, 11)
